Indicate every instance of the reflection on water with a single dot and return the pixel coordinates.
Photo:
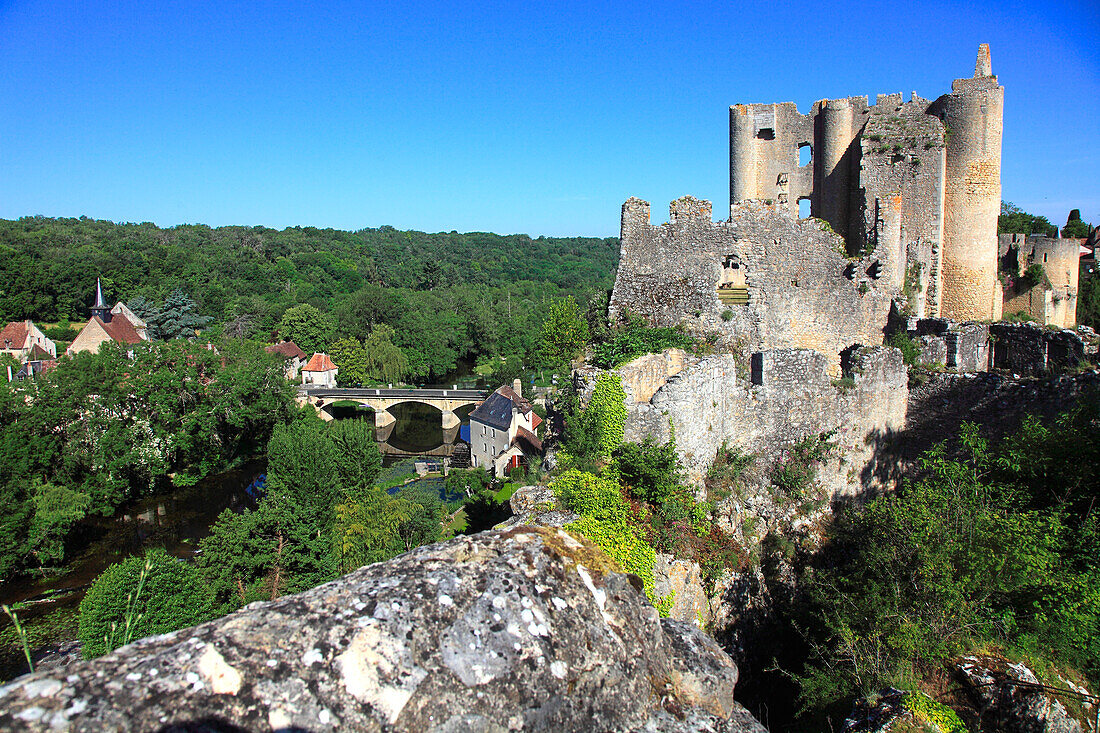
(417, 431)
(175, 521)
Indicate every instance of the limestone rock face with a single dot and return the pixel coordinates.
(536, 505)
(682, 580)
(1007, 706)
(524, 629)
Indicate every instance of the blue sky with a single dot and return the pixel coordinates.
(507, 117)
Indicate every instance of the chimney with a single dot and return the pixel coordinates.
(517, 386)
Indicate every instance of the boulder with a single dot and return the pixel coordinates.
(521, 629)
(1010, 698)
(536, 505)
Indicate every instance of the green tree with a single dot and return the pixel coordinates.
(177, 318)
(1014, 220)
(306, 326)
(385, 362)
(139, 597)
(348, 355)
(56, 510)
(564, 332)
(1075, 227)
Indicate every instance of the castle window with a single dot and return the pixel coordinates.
(766, 133)
(733, 283)
(803, 208)
(805, 154)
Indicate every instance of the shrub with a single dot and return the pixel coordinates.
(623, 544)
(139, 597)
(797, 467)
(591, 495)
(635, 338)
(910, 349)
(650, 471)
(1032, 277)
(608, 410)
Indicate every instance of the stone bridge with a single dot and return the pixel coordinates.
(381, 400)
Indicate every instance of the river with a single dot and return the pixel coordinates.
(177, 519)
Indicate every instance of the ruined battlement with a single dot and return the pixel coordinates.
(851, 161)
(763, 279)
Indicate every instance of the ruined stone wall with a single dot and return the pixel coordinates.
(1052, 302)
(995, 401)
(764, 144)
(766, 141)
(772, 402)
(802, 289)
(902, 155)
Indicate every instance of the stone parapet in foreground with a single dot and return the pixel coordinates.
(507, 630)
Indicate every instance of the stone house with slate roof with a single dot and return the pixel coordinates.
(502, 431)
(293, 357)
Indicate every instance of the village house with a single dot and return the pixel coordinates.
(118, 324)
(502, 431)
(24, 341)
(293, 357)
(320, 371)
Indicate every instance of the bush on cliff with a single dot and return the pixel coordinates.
(138, 597)
(999, 545)
(606, 519)
(635, 338)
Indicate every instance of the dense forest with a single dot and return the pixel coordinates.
(446, 296)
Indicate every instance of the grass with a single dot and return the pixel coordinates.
(456, 523)
(505, 492)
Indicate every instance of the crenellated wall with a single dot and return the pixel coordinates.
(800, 289)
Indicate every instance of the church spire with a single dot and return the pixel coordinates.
(100, 307)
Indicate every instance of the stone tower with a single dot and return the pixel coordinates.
(972, 115)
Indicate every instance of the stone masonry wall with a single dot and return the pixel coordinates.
(902, 157)
(803, 291)
(779, 398)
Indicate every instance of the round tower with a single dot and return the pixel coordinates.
(972, 114)
(831, 179)
(742, 167)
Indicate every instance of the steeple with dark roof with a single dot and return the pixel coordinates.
(100, 307)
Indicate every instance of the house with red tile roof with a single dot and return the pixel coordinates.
(293, 357)
(24, 340)
(320, 371)
(118, 324)
(502, 431)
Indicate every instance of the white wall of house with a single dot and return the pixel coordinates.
(326, 378)
(487, 442)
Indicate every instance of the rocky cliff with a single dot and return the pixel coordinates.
(523, 629)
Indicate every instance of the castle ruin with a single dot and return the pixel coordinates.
(903, 199)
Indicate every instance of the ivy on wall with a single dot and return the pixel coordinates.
(608, 404)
